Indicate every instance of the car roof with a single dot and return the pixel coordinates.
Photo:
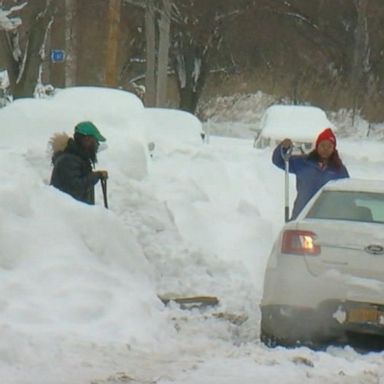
(344, 185)
(355, 184)
(299, 122)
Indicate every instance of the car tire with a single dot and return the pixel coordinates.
(290, 338)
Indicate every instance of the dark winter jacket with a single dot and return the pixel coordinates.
(72, 173)
(310, 177)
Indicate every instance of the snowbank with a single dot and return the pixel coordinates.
(300, 123)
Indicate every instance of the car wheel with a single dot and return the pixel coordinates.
(280, 330)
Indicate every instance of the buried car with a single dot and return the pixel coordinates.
(301, 123)
(324, 281)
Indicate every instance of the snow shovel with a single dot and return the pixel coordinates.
(103, 182)
(286, 155)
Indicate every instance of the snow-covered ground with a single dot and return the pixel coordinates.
(80, 285)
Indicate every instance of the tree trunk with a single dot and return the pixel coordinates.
(44, 73)
(70, 66)
(162, 69)
(113, 23)
(150, 36)
(29, 70)
(188, 100)
(191, 72)
(360, 63)
(8, 61)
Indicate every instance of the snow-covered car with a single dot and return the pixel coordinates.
(301, 123)
(324, 280)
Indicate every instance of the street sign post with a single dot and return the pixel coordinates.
(57, 55)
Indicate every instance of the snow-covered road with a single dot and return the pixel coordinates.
(225, 201)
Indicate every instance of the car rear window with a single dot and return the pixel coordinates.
(348, 205)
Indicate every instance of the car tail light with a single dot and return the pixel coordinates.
(300, 243)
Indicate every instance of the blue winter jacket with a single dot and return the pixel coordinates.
(310, 177)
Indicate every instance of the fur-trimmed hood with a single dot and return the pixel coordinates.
(57, 144)
(61, 143)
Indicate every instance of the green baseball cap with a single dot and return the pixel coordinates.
(87, 128)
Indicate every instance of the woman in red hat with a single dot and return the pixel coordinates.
(313, 170)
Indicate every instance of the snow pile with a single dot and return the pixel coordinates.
(68, 268)
(64, 265)
(63, 272)
(353, 125)
(300, 123)
(184, 128)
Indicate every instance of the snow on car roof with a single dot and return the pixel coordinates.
(298, 122)
(352, 184)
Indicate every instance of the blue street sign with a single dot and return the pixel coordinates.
(57, 55)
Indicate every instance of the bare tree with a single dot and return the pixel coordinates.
(113, 23)
(9, 25)
(150, 39)
(198, 31)
(163, 56)
(24, 62)
(191, 65)
(40, 89)
(157, 40)
(361, 52)
(70, 67)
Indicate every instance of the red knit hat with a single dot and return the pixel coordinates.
(327, 134)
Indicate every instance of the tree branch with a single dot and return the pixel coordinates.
(9, 23)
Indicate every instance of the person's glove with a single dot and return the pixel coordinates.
(286, 147)
(286, 143)
(103, 175)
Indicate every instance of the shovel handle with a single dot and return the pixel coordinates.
(103, 182)
(286, 155)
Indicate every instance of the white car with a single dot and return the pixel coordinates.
(324, 280)
(301, 123)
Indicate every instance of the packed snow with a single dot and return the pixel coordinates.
(299, 122)
(81, 285)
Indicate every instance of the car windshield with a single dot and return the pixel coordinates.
(349, 205)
